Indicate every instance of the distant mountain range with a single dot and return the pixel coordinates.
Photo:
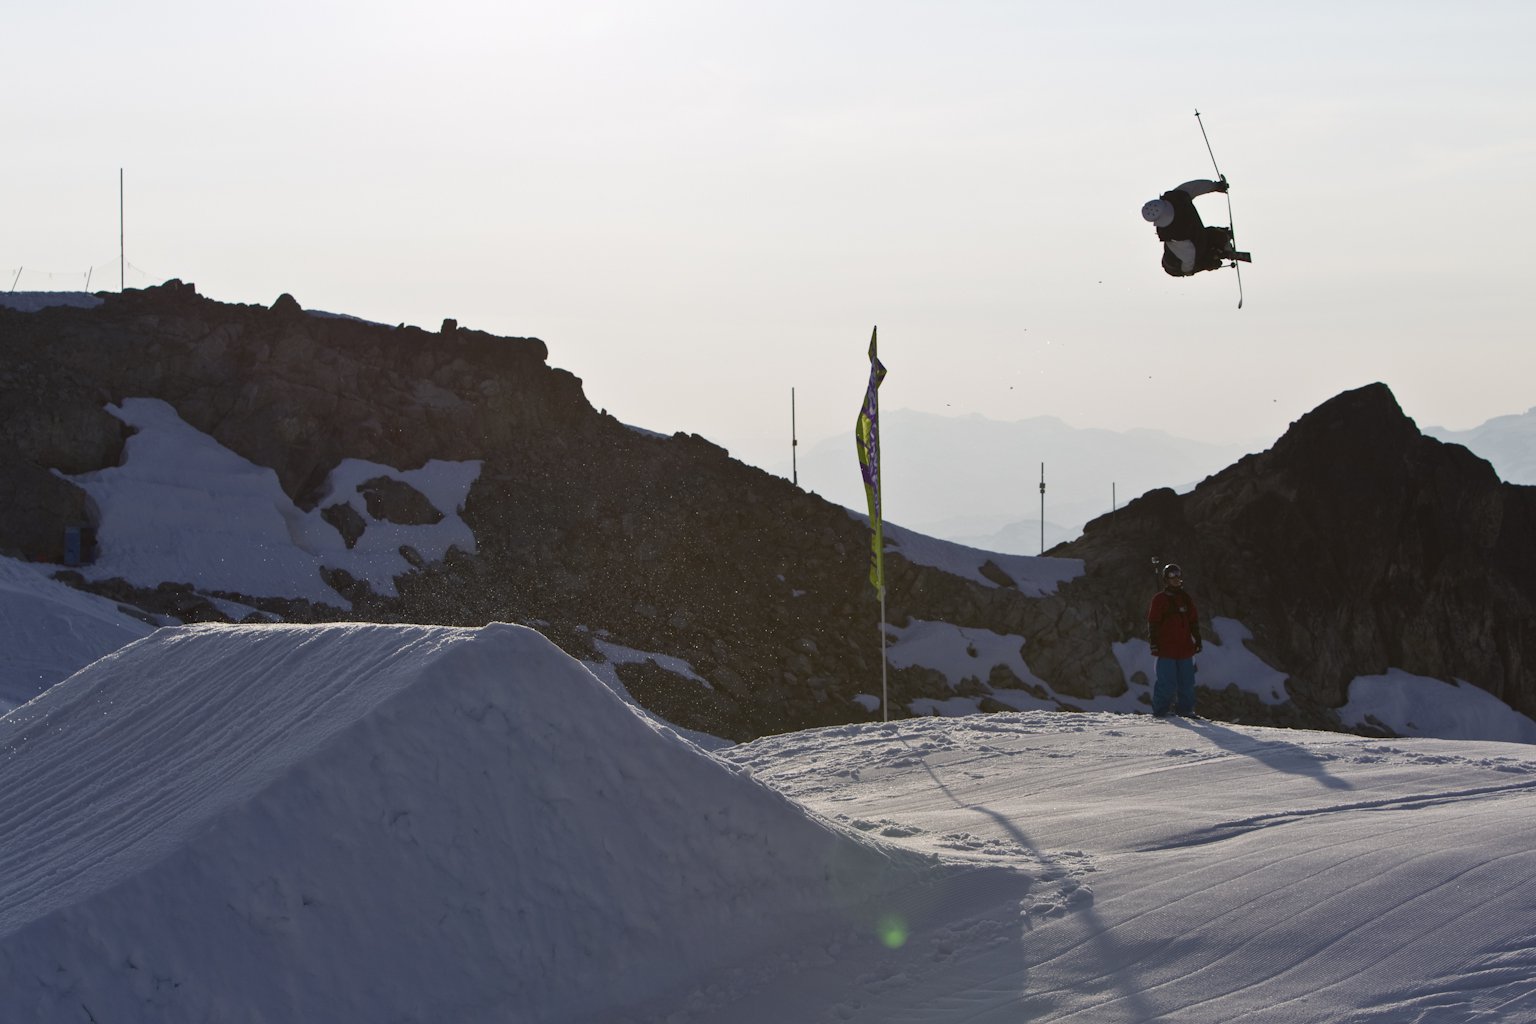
(976, 481)
(1508, 442)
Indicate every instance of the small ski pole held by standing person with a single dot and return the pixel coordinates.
(1173, 630)
(1188, 245)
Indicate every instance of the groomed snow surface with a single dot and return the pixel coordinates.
(407, 823)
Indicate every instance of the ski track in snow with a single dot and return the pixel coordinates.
(1397, 825)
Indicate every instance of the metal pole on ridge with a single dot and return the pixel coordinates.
(794, 443)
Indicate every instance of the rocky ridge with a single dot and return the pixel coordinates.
(1354, 545)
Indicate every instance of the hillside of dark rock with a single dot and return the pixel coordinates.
(1353, 545)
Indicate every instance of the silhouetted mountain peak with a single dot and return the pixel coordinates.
(1366, 422)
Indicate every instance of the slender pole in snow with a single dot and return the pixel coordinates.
(17, 277)
(122, 257)
(1042, 508)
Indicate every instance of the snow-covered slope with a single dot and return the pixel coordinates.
(48, 630)
(183, 508)
(1187, 871)
(356, 823)
(408, 823)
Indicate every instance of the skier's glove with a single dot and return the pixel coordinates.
(1222, 186)
(1199, 646)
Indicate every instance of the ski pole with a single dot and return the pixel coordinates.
(1207, 138)
(1230, 226)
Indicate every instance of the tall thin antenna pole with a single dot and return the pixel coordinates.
(794, 443)
(1042, 508)
(122, 252)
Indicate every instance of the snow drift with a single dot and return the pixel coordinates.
(50, 631)
(362, 822)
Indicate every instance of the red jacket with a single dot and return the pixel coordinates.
(1173, 626)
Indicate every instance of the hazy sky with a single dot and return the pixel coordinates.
(701, 205)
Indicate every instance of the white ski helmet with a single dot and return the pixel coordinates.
(1158, 211)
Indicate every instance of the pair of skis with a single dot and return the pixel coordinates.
(1230, 226)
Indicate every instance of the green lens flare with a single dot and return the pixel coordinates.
(892, 931)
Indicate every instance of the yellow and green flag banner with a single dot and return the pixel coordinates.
(867, 437)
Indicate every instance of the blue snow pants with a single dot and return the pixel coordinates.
(1175, 686)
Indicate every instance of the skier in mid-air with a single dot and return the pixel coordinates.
(1188, 245)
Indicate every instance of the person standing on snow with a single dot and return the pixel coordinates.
(1188, 245)
(1173, 629)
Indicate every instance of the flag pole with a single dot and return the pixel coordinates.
(885, 701)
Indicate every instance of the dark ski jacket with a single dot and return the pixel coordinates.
(1173, 625)
(1188, 227)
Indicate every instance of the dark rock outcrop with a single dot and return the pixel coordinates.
(395, 501)
(345, 520)
(285, 389)
(1354, 545)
